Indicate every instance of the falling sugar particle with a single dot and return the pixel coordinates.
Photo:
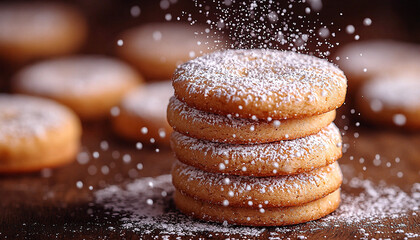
(367, 21)
(115, 111)
(168, 17)
(399, 119)
(149, 202)
(139, 166)
(139, 146)
(135, 11)
(120, 42)
(350, 29)
(144, 130)
(79, 184)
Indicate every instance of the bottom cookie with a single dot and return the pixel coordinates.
(258, 217)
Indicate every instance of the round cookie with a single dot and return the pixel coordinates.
(228, 129)
(256, 192)
(268, 159)
(143, 114)
(392, 100)
(156, 49)
(364, 60)
(279, 216)
(90, 85)
(36, 133)
(34, 30)
(260, 83)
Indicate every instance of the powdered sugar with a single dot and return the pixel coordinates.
(82, 75)
(366, 210)
(240, 184)
(259, 78)
(267, 154)
(23, 117)
(149, 100)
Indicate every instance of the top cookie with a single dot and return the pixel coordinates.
(260, 84)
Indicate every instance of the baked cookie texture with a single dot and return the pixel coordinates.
(254, 137)
(36, 133)
(142, 114)
(219, 128)
(279, 216)
(35, 30)
(391, 100)
(156, 49)
(268, 159)
(90, 85)
(262, 84)
(244, 191)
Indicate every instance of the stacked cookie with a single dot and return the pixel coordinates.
(254, 137)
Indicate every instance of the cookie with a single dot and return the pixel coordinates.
(143, 114)
(90, 85)
(257, 192)
(263, 84)
(230, 129)
(35, 30)
(364, 60)
(268, 159)
(277, 216)
(36, 133)
(156, 49)
(391, 100)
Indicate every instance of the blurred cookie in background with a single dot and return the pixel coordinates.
(36, 133)
(156, 49)
(36, 30)
(392, 100)
(90, 85)
(362, 61)
(142, 115)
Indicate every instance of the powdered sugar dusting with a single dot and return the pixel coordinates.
(267, 154)
(260, 77)
(22, 117)
(149, 100)
(373, 204)
(286, 183)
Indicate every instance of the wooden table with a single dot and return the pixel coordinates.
(54, 204)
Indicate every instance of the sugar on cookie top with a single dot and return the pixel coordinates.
(24, 117)
(75, 76)
(261, 83)
(149, 100)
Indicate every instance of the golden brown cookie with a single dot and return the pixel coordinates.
(156, 49)
(229, 129)
(262, 84)
(143, 114)
(90, 85)
(36, 133)
(392, 100)
(33, 30)
(243, 191)
(364, 60)
(277, 216)
(267, 159)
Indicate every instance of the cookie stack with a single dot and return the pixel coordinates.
(254, 137)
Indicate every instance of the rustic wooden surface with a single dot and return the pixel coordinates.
(49, 205)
